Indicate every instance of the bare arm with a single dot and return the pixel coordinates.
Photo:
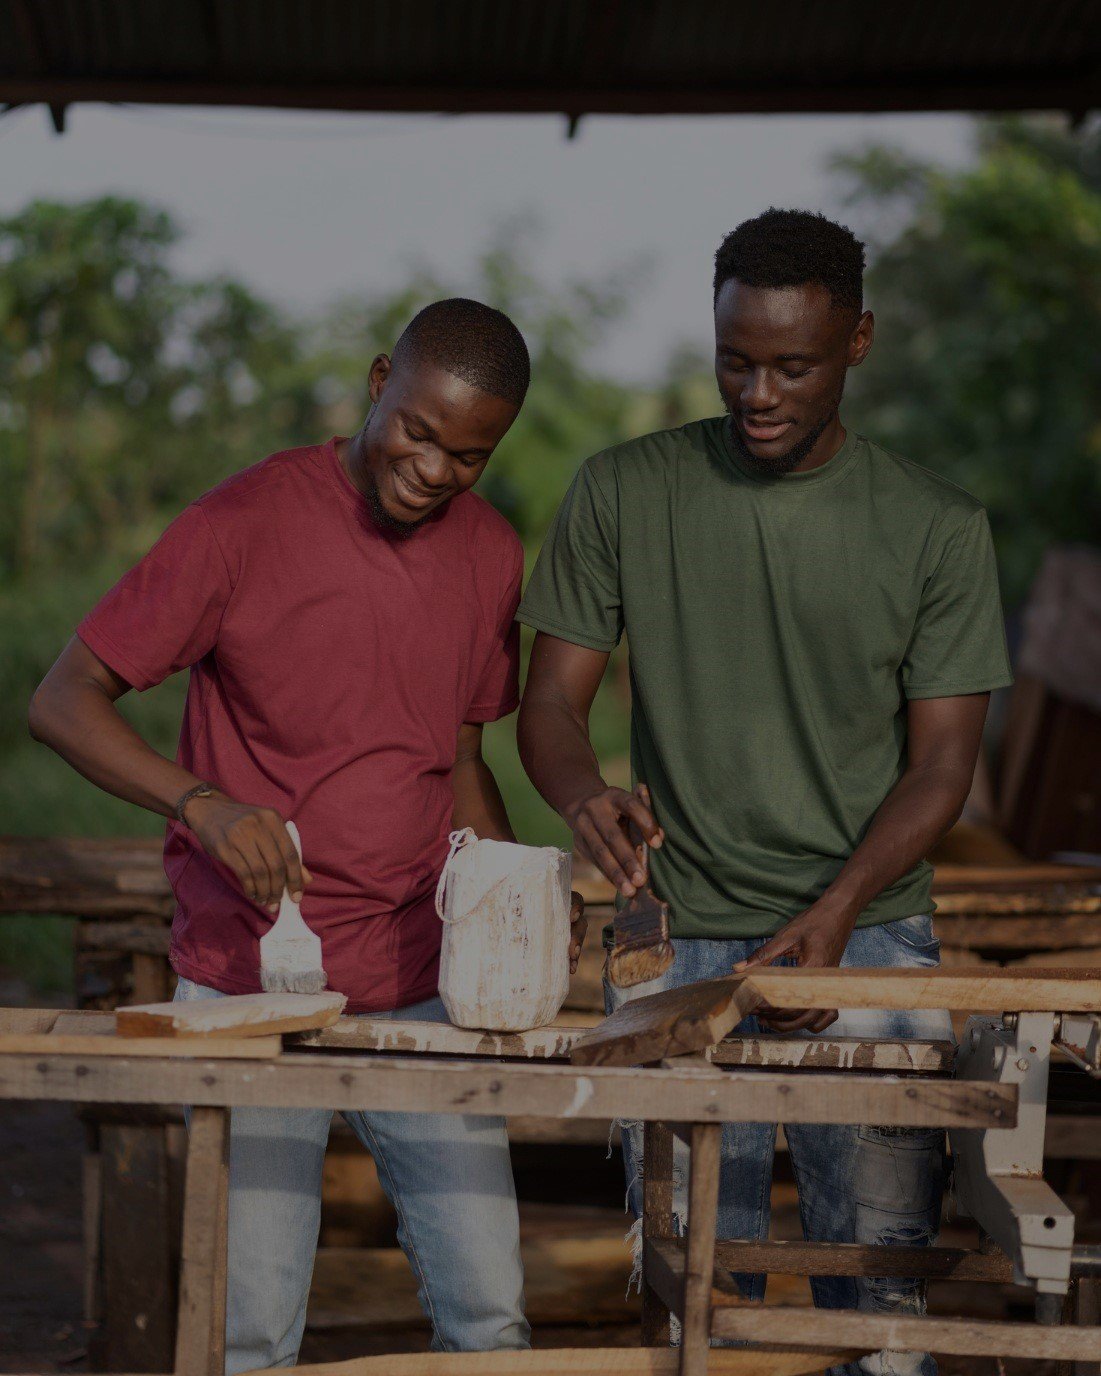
(942, 749)
(556, 751)
(478, 801)
(73, 711)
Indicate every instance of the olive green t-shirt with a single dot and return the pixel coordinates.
(777, 628)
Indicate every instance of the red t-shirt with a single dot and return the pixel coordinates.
(332, 666)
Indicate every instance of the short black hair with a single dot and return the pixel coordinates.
(471, 341)
(789, 248)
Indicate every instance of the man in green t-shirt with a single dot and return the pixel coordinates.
(814, 629)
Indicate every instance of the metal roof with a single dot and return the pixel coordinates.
(570, 56)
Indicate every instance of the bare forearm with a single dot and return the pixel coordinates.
(478, 802)
(81, 722)
(913, 817)
(557, 754)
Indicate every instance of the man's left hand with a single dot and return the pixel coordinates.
(579, 925)
(816, 939)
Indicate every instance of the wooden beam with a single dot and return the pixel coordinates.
(201, 1328)
(657, 1222)
(204, 1048)
(440, 1038)
(1036, 902)
(85, 877)
(1042, 932)
(947, 878)
(883, 90)
(699, 1247)
(1064, 990)
(893, 1055)
(239, 1015)
(901, 1332)
(151, 937)
(308, 1079)
(138, 1284)
(855, 1259)
(582, 1361)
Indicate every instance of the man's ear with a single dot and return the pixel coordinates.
(860, 342)
(381, 368)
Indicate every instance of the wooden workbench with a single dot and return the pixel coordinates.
(448, 1070)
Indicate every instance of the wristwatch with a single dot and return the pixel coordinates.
(199, 791)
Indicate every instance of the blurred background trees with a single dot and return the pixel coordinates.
(127, 390)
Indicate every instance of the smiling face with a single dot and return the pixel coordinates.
(781, 355)
(428, 437)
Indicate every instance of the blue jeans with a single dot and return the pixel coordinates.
(856, 1184)
(449, 1178)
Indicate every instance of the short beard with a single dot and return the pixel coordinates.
(778, 465)
(389, 525)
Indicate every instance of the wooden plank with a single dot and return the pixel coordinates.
(150, 938)
(672, 1023)
(239, 1015)
(208, 1048)
(200, 1334)
(695, 1016)
(1022, 904)
(855, 1259)
(699, 1247)
(1064, 990)
(582, 1361)
(309, 1079)
(901, 1333)
(894, 1055)
(138, 1301)
(949, 878)
(657, 1222)
(440, 1038)
(84, 876)
(1017, 933)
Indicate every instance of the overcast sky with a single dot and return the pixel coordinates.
(305, 206)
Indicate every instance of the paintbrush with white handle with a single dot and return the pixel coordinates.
(290, 954)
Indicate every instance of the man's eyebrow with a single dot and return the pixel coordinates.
(796, 358)
(419, 423)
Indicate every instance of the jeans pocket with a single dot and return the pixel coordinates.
(914, 938)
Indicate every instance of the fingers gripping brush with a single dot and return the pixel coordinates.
(290, 954)
(641, 947)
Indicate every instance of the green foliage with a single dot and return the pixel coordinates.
(987, 290)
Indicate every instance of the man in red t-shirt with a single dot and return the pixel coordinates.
(346, 611)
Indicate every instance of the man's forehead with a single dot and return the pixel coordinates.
(444, 400)
(800, 314)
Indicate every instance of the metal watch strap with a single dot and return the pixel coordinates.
(199, 791)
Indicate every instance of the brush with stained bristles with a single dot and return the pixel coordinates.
(290, 954)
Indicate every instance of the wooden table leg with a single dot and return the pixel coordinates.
(699, 1266)
(657, 1221)
(201, 1329)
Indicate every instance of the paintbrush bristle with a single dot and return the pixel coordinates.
(284, 981)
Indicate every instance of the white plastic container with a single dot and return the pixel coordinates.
(505, 908)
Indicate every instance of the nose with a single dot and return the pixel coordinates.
(432, 469)
(759, 392)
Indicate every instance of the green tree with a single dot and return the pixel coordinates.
(986, 285)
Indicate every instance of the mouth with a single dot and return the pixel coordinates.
(764, 432)
(411, 495)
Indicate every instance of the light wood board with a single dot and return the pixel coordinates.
(239, 1015)
(307, 1079)
(582, 1361)
(206, 1048)
(690, 1018)
(902, 1333)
